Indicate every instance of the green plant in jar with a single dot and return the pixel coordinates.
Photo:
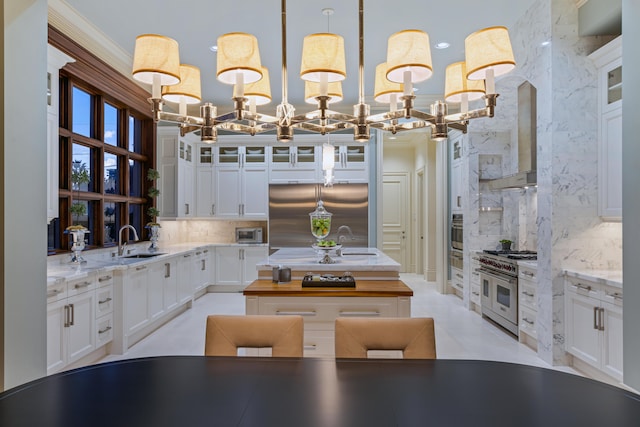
(320, 222)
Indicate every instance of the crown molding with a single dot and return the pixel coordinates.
(72, 24)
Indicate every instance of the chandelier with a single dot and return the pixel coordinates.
(488, 54)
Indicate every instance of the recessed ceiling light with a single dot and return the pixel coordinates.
(214, 48)
(442, 45)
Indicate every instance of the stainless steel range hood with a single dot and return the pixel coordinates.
(527, 145)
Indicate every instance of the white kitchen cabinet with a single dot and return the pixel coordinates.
(205, 181)
(457, 281)
(351, 163)
(184, 266)
(456, 164)
(241, 182)
(202, 269)
(295, 164)
(70, 322)
(155, 298)
(136, 291)
(175, 164)
(236, 266)
(608, 59)
(593, 318)
(474, 283)
(527, 304)
(55, 60)
(320, 313)
(169, 284)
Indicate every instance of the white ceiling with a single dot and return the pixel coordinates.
(196, 24)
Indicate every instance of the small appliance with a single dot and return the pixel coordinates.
(249, 235)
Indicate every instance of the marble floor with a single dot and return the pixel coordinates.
(460, 333)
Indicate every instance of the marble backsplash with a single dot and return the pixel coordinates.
(205, 231)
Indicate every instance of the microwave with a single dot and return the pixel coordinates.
(249, 235)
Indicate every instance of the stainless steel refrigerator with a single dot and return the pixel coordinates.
(290, 205)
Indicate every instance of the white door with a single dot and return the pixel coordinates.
(255, 193)
(227, 192)
(420, 226)
(204, 189)
(170, 285)
(228, 266)
(155, 280)
(612, 340)
(56, 335)
(395, 217)
(252, 256)
(582, 338)
(81, 331)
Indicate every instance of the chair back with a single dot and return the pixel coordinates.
(225, 334)
(415, 337)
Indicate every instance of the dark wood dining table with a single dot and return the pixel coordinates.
(190, 391)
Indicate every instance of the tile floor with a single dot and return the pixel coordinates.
(460, 333)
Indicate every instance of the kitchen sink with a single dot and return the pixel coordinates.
(142, 255)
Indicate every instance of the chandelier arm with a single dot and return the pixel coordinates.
(421, 115)
(177, 118)
(383, 117)
(459, 126)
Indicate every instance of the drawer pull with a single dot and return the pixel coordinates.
(186, 256)
(476, 293)
(615, 295)
(198, 253)
(359, 313)
(459, 276)
(54, 292)
(310, 347)
(107, 329)
(583, 287)
(105, 301)
(528, 321)
(295, 313)
(528, 294)
(104, 278)
(528, 273)
(82, 285)
(142, 267)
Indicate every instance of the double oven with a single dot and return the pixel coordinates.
(499, 286)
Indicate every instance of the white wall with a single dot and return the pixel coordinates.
(631, 201)
(24, 167)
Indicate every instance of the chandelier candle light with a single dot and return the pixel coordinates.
(488, 54)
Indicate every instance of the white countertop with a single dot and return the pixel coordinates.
(605, 277)
(101, 261)
(356, 259)
(530, 264)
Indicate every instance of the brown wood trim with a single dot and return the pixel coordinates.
(100, 75)
(364, 288)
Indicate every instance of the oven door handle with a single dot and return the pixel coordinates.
(498, 276)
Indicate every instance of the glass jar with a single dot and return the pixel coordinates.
(320, 222)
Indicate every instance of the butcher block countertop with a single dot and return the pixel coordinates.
(364, 288)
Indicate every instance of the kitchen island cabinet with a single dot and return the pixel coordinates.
(319, 307)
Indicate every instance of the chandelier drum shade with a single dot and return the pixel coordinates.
(323, 67)
(456, 84)
(157, 56)
(188, 90)
(238, 54)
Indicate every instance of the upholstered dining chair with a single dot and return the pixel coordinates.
(225, 334)
(415, 337)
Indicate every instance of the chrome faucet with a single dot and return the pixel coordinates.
(122, 245)
(342, 237)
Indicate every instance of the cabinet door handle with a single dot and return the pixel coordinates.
(530, 295)
(73, 314)
(458, 201)
(186, 256)
(107, 329)
(167, 270)
(595, 318)
(476, 293)
(359, 313)
(202, 267)
(615, 295)
(310, 347)
(239, 209)
(53, 293)
(459, 276)
(213, 209)
(583, 287)
(198, 252)
(104, 301)
(81, 285)
(295, 313)
(142, 267)
(527, 321)
(528, 273)
(104, 278)
(66, 316)
(601, 319)
(186, 208)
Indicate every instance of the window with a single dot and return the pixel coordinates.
(107, 143)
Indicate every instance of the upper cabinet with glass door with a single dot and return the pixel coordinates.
(351, 161)
(297, 163)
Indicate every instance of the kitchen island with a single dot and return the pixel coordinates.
(362, 263)
(320, 306)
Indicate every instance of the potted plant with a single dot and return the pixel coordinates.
(153, 226)
(79, 175)
(506, 244)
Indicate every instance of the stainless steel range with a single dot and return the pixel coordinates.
(499, 283)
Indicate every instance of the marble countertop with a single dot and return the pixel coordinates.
(101, 262)
(530, 264)
(605, 277)
(356, 259)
